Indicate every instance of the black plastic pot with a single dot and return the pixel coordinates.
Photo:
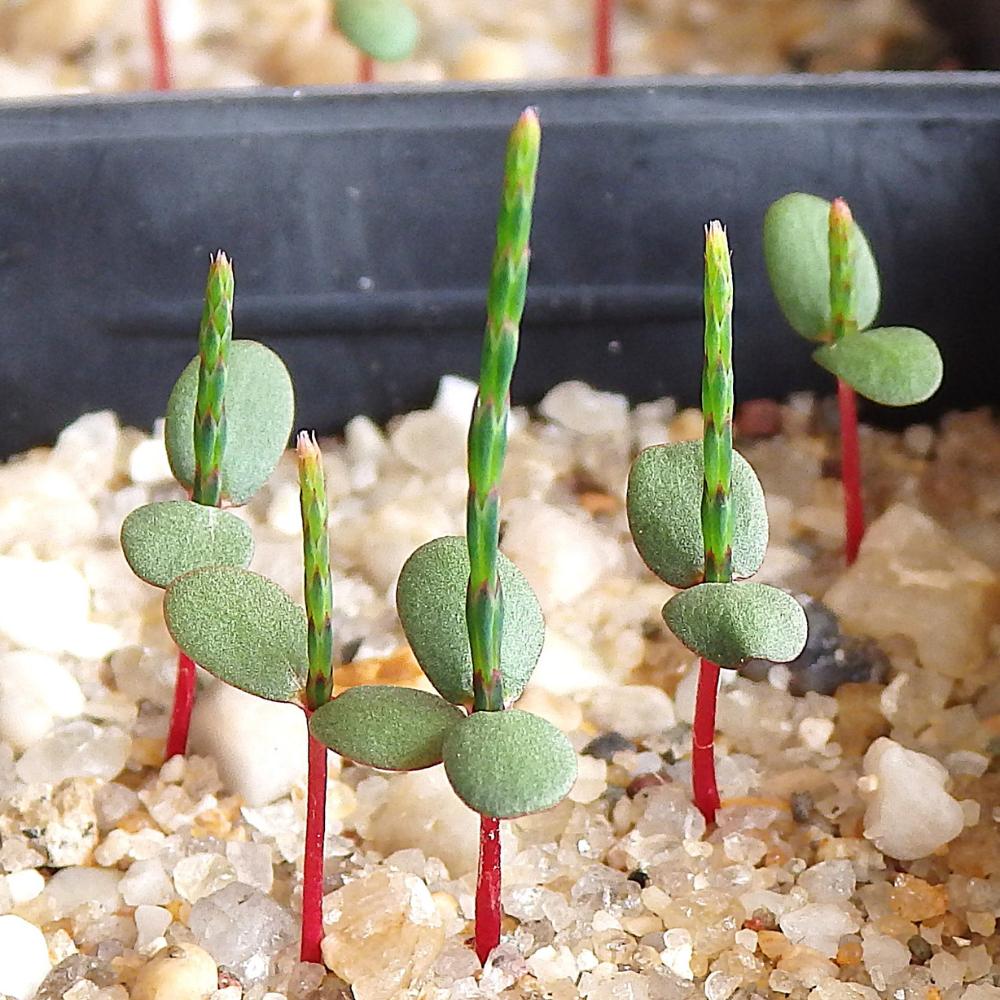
(361, 227)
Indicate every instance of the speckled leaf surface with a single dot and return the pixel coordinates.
(664, 513)
(430, 597)
(729, 623)
(510, 763)
(163, 541)
(392, 728)
(242, 628)
(893, 365)
(386, 30)
(260, 406)
(797, 252)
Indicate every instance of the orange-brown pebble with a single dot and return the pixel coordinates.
(849, 953)
(773, 944)
(914, 899)
(597, 503)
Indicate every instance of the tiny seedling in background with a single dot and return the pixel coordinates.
(228, 420)
(471, 618)
(696, 513)
(248, 632)
(604, 17)
(381, 30)
(826, 281)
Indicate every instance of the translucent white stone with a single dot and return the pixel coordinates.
(578, 407)
(46, 606)
(78, 750)
(24, 957)
(151, 922)
(243, 929)
(260, 746)
(829, 881)
(252, 863)
(77, 886)
(24, 885)
(146, 883)
(455, 399)
(819, 926)
(909, 813)
(562, 556)
(430, 441)
(633, 710)
(884, 957)
(35, 690)
(88, 450)
(200, 875)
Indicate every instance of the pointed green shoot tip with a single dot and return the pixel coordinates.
(840, 213)
(306, 446)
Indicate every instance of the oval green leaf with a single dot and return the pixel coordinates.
(510, 763)
(430, 597)
(797, 252)
(163, 541)
(729, 623)
(242, 628)
(260, 407)
(387, 30)
(893, 365)
(664, 513)
(391, 728)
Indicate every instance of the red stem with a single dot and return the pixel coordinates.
(850, 471)
(158, 46)
(312, 866)
(366, 69)
(603, 17)
(488, 888)
(180, 716)
(706, 792)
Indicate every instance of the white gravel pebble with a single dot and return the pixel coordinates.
(24, 957)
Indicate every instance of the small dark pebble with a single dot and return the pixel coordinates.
(350, 650)
(919, 949)
(830, 468)
(605, 746)
(643, 781)
(829, 658)
(802, 806)
(758, 418)
(639, 877)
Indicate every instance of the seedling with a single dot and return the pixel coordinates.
(825, 279)
(383, 30)
(471, 618)
(158, 50)
(697, 516)
(248, 632)
(604, 15)
(228, 420)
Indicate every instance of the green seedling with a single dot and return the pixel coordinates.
(472, 620)
(228, 420)
(825, 279)
(248, 632)
(697, 516)
(382, 30)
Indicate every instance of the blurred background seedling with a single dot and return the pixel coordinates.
(826, 281)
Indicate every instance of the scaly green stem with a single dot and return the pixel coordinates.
(842, 315)
(316, 560)
(488, 430)
(717, 408)
(214, 337)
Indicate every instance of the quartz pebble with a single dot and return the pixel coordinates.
(78, 750)
(909, 813)
(35, 690)
(24, 957)
(819, 926)
(178, 972)
(912, 579)
(259, 745)
(383, 934)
